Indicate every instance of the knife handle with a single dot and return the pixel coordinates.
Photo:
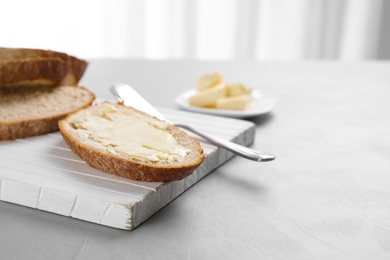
(237, 149)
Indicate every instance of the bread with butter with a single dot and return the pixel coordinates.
(34, 67)
(126, 142)
(34, 111)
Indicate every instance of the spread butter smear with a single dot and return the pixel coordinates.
(126, 133)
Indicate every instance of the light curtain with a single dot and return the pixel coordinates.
(197, 29)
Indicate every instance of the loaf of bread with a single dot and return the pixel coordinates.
(126, 142)
(34, 67)
(30, 111)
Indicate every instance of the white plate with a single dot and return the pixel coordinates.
(262, 103)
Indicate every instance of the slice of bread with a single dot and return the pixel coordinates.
(126, 142)
(34, 67)
(34, 111)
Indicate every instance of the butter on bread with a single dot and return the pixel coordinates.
(34, 67)
(126, 142)
(32, 111)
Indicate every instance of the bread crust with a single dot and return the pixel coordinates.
(134, 169)
(34, 67)
(38, 126)
(22, 129)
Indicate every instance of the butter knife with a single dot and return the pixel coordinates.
(126, 94)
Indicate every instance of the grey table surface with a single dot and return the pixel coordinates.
(326, 196)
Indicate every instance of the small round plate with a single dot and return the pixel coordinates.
(262, 103)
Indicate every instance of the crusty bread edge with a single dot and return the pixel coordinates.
(53, 68)
(128, 168)
(37, 126)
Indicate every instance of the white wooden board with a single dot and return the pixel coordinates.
(43, 173)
